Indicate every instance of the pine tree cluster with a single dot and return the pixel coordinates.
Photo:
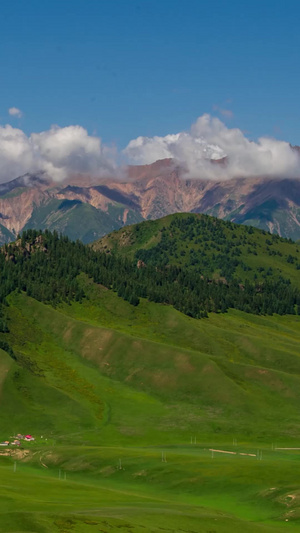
(46, 266)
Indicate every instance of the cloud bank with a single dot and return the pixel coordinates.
(71, 150)
(209, 138)
(61, 152)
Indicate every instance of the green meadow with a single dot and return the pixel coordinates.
(126, 404)
(131, 489)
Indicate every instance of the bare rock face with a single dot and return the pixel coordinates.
(145, 192)
(16, 209)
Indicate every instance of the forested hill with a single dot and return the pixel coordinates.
(195, 263)
(209, 246)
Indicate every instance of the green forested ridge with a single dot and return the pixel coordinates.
(208, 246)
(197, 264)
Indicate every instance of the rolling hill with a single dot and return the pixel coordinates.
(208, 246)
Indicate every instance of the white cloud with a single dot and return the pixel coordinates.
(64, 151)
(209, 138)
(15, 112)
(58, 151)
(16, 153)
(71, 150)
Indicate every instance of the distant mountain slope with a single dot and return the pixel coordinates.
(273, 205)
(79, 220)
(5, 235)
(146, 192)
(84, 213)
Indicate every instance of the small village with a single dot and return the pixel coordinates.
(16, 441)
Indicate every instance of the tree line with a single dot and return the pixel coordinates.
(46, 266)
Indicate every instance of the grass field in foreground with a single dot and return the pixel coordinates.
(130, 489)
(104, 381)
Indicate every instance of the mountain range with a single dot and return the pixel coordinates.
(87, 209)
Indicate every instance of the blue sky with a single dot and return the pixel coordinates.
(124, 68)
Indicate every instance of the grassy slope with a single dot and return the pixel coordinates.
(104, 380)
(14, 192)
(223, 375)
(84, 503)
(258, 250)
